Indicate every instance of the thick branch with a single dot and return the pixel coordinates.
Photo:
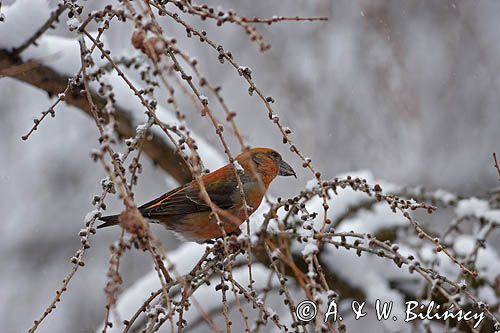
(54, 83)
(157, 149)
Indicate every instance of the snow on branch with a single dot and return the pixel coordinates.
(350, 237)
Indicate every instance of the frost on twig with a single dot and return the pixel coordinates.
(309, 245)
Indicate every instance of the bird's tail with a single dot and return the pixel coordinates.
(108, 221)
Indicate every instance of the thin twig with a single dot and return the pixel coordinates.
(54, 16)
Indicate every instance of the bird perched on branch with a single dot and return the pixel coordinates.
(187, 212)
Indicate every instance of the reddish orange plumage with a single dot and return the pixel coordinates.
(186, 212)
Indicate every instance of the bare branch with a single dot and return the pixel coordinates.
(54, 83)
(46, 26)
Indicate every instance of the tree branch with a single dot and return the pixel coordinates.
(54, 83)
(157, 149)
(54, 17)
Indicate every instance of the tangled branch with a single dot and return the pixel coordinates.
(289, 252)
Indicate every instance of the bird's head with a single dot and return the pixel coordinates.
(268, 163)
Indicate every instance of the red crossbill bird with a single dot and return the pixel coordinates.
(187, 213)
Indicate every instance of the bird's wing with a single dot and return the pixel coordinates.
(187, 200)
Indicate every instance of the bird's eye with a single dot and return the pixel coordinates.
(275, 155)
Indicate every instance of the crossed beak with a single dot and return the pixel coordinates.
(286, 170)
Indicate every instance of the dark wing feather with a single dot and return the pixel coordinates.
(186, 200)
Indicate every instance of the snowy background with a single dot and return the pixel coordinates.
(408, 90)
